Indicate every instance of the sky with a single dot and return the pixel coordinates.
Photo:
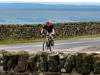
(49, 0)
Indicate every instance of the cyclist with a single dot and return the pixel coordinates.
(50, 29)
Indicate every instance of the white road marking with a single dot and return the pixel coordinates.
(76, 42)
(11, 47)
(75, 48)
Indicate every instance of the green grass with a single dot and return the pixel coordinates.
(79, 37)
(12, 41)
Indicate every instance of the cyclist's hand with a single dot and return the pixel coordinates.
(51, 34)
(42, 34)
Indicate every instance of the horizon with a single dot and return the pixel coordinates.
(44, 2)
(76, 3)
(50, 1)
(29, 13)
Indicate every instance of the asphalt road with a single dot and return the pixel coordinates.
(62, 45)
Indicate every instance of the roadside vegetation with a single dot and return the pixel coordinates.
(12, 41)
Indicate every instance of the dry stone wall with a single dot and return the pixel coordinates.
(32, 31)
(61, 63)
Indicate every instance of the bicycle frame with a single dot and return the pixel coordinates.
(47, 42)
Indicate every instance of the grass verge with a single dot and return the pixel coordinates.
(12, 41)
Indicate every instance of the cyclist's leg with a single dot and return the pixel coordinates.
(51, 36)
(52, 39)
(47, 41)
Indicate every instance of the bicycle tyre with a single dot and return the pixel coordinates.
(50, 45)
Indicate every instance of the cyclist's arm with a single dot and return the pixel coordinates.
(53, 31)
(42, 30)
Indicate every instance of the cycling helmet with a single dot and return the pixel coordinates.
(48, 23)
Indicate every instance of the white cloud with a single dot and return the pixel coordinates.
(52, 0)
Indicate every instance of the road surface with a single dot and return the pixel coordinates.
(62, 45)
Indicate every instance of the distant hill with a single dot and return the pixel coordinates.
(47, 6)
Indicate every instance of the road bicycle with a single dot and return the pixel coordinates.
(48, 43)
